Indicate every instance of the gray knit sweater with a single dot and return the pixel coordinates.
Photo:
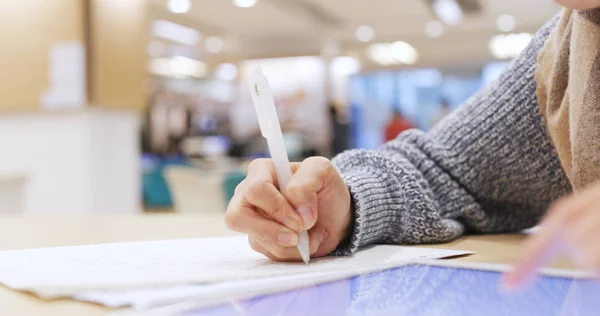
(487, 168)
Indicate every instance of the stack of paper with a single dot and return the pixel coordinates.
(207, 271)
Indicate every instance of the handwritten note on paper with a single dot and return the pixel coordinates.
(64, 271)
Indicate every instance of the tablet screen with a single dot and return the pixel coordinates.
(424, 290)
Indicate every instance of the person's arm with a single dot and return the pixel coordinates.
(489, 167)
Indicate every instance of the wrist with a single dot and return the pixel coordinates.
(348, 228)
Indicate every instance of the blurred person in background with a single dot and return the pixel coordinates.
(180, 117)
(397, 124)
(526, 141)
(145, 130)
(339, 131)
(158, 120)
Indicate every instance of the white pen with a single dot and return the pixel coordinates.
(262, 97)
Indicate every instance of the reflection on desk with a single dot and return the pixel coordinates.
(424, 290)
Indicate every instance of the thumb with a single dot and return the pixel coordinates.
(312, 176)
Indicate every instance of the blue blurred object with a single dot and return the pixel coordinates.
(417, 93)
(175, 160)
(155, 190)
(149, 162)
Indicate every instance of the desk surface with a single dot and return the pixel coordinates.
(18, 232)
(421, 290)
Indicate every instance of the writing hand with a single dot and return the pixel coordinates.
(316, 199)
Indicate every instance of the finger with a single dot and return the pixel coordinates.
(583, 240)
(265, 197)
(302, 190)
(546, 245)
(240, 189)
(316, 238)
(261, 191)
(261, 170)
(277, 252)
(237, 210)
(589, 255)
(283, 253)
(539, 249)
(247, 220)
(575, 204)
(256, 246)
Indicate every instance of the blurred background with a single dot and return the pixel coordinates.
(128, 106)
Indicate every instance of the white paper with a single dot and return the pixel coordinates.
(204, 295)
(217, 294)
(67, 271)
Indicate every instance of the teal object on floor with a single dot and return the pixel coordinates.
(232, 179)
(155, 189)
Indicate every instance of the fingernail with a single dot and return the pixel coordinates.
(307, 217)
(509, 283)
(324, 236)
(288, 239)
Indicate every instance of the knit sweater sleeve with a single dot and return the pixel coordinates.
(489, 167)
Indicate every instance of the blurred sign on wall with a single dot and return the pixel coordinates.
(67, 77)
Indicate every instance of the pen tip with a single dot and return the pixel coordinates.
(305, 257)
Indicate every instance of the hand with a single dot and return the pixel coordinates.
(571, 226)
(316, 199)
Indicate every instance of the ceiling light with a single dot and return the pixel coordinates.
(160, 67)
(404, 52)
(393, 53)
(364, 33)
(434, 29)
(188, 67)
(345, 65)
(156, 49)
(448, 11)
(244, 3)
(179, 6)
(226, 72)
(175, 32)
(506, 23)
(214, 44)
(178, 67)
(506, 46)
(381, 54)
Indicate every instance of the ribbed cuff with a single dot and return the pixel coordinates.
(375, 210)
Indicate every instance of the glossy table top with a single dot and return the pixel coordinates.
(423, 290)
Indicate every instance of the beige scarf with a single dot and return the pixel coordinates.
(568, 91)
